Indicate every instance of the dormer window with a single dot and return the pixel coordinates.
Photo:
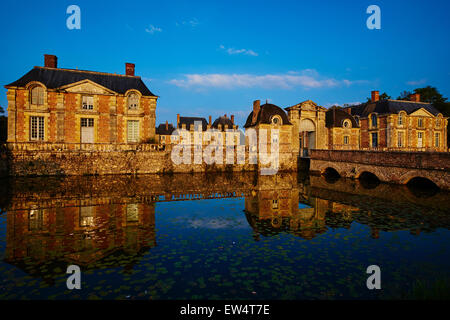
(400, 119)
(133, 101)
(346, 124)
(373, 119)
(276, 120)
(37, 95)
(87, 103)
(438, 122)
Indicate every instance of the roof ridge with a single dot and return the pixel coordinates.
(408, 101)
(88, 71)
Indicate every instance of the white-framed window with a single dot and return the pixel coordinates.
(87, 103)
(37, 128)
(133, 101)
(420, 122)
(133, 130)
(437, 139)
(346, 139)
(400, 139)
(37, 95)
(400, 119)
(420, 139)
(87, 122)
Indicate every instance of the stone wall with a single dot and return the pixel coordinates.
(49, 162)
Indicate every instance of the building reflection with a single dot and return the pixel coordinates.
(91, 233)
(99, 222)
(274, 205)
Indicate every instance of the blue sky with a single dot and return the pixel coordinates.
(215, 57)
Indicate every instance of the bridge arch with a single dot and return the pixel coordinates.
(416, 177)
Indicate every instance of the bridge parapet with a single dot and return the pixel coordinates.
(414, 160)
(388, 166)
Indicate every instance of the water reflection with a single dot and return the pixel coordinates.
(109, 222)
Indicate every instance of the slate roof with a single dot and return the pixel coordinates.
(334, 117)
(391, 106)
(54, 78)
(266, 111)
(190, 121)
(161, 129)
(222, 121)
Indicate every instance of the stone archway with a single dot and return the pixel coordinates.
(307, 136)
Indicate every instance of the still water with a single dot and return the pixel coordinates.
(235, 236)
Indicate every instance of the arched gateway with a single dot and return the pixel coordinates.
(309, 121)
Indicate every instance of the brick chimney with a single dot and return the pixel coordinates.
(209, 118)
(415, 97)
(256, 108)
(178, 120)
(375, 96)
(50, 61)
(232, 118)
(129, 69)
(348, 110)
(167, 125)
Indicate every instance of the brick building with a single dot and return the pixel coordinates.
(343, 130)
(400, 125)
(71, 106)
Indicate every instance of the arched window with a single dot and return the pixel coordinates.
(133, 101)
(400, 119)
(373, 119)
(347, 123)
(37, 95)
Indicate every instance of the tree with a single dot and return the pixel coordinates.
(404, 95)
(383, 96)
(430, 94)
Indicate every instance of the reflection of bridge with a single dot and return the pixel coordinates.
(392, 167)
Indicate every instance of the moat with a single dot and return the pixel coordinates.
(222, 236)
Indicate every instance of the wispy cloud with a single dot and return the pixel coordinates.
(152, 29)
(193, 22)
(232, 51)
(416, 82)
(308, 79)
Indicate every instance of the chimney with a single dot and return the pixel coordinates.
(256, 108)
(375, 96)
(178, 120)
(129, 69)
(415, 97)
(50, 61)
(232, 118)
(167, 125)
(348, 110)
(209, 120)
(225, 115)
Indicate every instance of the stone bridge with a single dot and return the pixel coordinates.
(387, 166)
